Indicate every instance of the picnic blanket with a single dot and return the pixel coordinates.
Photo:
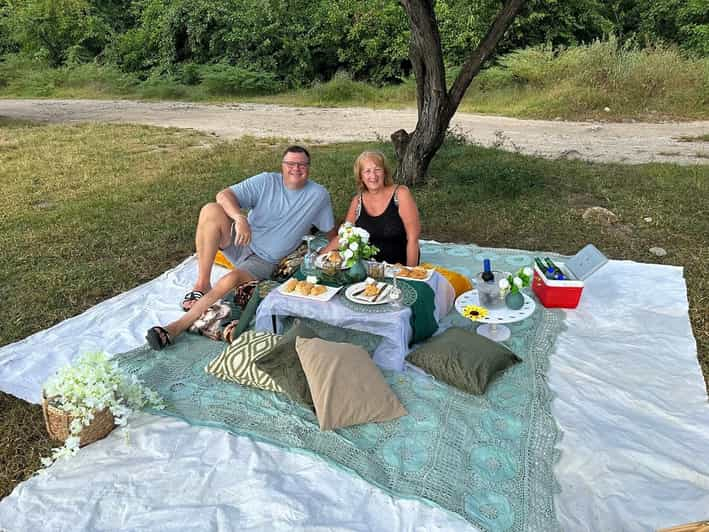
(629, 397)
(487, 458)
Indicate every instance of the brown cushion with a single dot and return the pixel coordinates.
(346, 386)
(463, 359)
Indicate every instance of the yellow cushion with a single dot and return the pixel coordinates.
(458, 281)
(221, 260)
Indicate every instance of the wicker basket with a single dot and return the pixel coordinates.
(58, 422)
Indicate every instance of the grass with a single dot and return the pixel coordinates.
(91, 211)
(599, 81)
(695, 138)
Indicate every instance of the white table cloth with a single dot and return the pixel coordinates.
(394, 327)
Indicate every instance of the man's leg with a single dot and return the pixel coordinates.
(213, 232)
(228, 282)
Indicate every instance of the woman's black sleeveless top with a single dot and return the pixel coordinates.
(386, 231)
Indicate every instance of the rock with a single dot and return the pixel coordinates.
(607, 109)
(660, 252)
(648, 219)
(570, 154)
(599, 215)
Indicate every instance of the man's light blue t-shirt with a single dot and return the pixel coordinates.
(280, 217)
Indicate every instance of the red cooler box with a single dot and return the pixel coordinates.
(567, 293)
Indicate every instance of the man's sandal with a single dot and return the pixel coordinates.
(191, 297)
(158, 338)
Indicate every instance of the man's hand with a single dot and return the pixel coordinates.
(242, 230)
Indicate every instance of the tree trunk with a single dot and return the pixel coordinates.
(436, 105)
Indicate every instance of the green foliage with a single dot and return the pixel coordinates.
(581, 81)
(224, 80)
(56, 30)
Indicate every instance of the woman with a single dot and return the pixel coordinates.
(387, 211)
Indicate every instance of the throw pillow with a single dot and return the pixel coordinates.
(236, 362)
(247, 315)
(458, 281)
(332, 333)
(283, 366)
(463, 359)
(221, 260)
(347, 387)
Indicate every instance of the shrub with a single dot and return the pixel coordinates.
(225, 80)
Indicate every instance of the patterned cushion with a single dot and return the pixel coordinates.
(236, 362)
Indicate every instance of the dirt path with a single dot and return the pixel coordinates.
(606, 142)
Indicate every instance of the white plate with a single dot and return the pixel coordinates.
(383, 297)
(325, 296)
(320, 260)
(389, 272)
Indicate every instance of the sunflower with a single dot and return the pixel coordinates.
(474, 313)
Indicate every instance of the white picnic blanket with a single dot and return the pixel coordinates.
(630, 399)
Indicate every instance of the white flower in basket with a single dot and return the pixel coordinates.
(82, 403)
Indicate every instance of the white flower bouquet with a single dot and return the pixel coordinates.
(86, 391)
(354, 244)
(514, 283)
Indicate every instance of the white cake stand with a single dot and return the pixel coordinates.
(492, 326)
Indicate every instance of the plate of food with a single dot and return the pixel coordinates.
(413, 273)
(332, 258)
(368, 292)
(307, 290)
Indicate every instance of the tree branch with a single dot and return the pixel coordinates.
(482, 53)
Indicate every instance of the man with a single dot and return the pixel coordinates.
(283, 208)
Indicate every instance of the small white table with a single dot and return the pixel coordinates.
(492, 325)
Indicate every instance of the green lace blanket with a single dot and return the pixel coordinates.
(487, 458)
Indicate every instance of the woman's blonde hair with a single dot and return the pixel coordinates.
(379, 159)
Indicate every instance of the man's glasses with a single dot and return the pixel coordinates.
(293, 164)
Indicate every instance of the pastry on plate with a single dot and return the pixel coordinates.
(303, 288)
(371, 290)
(334, 258)
(318, 290)
(418, 272)
(290, 285)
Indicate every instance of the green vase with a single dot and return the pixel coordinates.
(356, 273)
(514, 300)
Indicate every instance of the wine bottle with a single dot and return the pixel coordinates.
(544, 270)
(487, 274)
(558, 274)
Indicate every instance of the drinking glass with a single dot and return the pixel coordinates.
(375, 270)
(395, 294)
(308, 267)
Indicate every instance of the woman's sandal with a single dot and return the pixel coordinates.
(191, 297)
(158, 338)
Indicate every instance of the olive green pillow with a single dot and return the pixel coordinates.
(463, 359)
(247, 315)
(283, 366)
